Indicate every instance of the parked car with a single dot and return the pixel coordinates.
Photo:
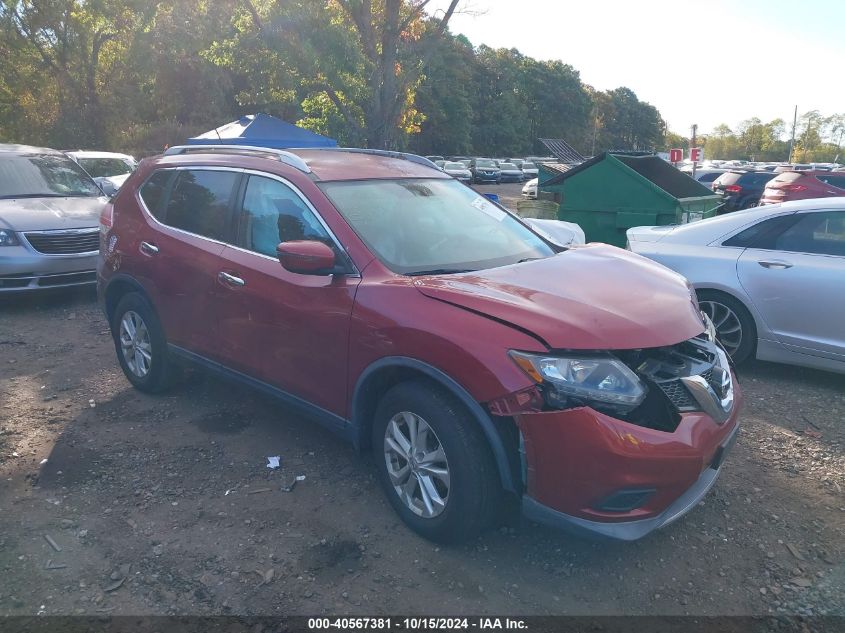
(439, 163)
(529, 189)
(707, 176)
(741, 189)
(458, 171)
(795, 185)
(508, 172)
(516, 161)
(485, 170)
(49, 208)
(434, 159)
(422, 321)
(771, 279)
(529, 170)
(108, 169)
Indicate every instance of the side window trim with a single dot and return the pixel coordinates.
(231, 210)
(239, 210)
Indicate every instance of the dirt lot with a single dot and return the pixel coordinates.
(164, 505)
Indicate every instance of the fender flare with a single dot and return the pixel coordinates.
(119, 278)
(481, 417)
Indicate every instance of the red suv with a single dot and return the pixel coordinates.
(423, 322)
(800, 185)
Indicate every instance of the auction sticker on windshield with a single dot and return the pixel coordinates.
(485, 206)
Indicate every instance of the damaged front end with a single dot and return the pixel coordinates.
(621, 443)
(647, 387)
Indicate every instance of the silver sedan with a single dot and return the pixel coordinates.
(772, 279)
(49, 220)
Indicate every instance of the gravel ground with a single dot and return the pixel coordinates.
(115, 502)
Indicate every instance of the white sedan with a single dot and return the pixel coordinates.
(529, 189)
(772, 279)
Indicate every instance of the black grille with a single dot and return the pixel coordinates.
(65, 242)
(677, 394)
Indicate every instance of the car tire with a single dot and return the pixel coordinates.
(728, 313)
(470, 483)
(149, 368)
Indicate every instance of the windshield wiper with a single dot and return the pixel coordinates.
(440, 271)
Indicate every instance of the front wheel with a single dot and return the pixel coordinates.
(734, 325)
(434, 463)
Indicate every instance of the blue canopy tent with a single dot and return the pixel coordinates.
(262, 130)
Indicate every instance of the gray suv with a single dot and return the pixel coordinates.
(49, 220)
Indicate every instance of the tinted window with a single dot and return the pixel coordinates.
(709, 177)
(152, 192)
(273, 213)
(787, 176)
(836, 181)
(818, 233)
(728, 178)
(200, 202)
(756, 235)
(43, 176)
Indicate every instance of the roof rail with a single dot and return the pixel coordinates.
(414, 158)
(287, 158)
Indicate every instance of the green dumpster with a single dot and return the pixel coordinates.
(611, 193)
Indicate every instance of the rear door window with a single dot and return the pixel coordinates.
(201, 202)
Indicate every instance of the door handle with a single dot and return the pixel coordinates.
(148, 249)
(231, 280)
(775, 264)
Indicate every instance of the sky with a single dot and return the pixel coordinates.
(697, 61)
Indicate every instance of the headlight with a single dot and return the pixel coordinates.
(8, 238)
(599, 380)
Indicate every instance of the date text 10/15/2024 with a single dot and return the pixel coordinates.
(416, 624)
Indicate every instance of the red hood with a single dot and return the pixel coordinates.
(588, 297)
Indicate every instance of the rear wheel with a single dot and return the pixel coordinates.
(434, 463)
(734, 325)
(141, 345)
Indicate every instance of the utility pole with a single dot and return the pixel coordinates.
(694, 130)
(792, 141)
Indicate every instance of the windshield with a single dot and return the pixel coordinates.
(454, 166)
(43, 176)
(528, 166)
(507, 166)
(104, 167)
(489, 164)
(421, 225)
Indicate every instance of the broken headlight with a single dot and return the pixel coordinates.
(596, 380)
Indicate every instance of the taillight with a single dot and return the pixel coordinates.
(794, 188)
(106, 218)
(733, 188)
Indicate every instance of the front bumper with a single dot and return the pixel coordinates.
(578, 458)
(22, 270)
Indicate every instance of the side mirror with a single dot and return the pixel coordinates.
(306, 257)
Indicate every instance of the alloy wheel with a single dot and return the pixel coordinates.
(727, 324)
(135, 343)
(416, 464)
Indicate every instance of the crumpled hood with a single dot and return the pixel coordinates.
(44, 214)
(589, 297)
